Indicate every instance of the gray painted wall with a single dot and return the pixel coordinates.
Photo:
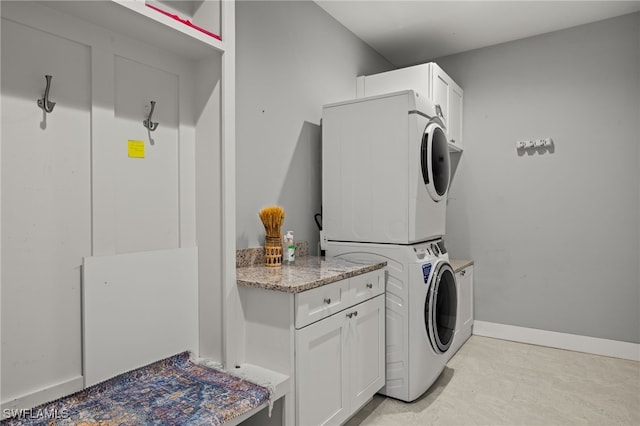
(291, 58)
(555, 236)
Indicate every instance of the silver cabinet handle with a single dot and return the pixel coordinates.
(327, 300)
(352, 314)
(463, 272)
(369, 285)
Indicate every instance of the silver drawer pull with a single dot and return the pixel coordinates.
(327, 300)
(369, 285)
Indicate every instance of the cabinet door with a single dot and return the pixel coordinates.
(455, 113)
(446, 93)
(464, 280)
(321, 371)
(440, 91)
(464, 317)
(366, 346)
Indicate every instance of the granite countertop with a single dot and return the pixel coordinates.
(460, 264)
(306, 273)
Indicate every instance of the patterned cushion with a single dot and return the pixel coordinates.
(173, 391)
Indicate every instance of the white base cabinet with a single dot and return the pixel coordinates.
(464, 317)
(339, 363)
(330, 340)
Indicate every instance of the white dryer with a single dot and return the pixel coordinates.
(421, 306)
(385, 169)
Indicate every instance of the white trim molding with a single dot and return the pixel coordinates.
(553, 339)
(42, 396)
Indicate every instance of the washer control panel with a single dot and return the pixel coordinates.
(429, 249)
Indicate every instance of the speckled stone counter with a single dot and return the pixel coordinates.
(255, 255)
(460, 264)
(308, 272)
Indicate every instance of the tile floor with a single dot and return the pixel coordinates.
(498, 382)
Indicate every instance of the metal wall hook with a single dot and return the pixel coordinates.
(148, 123)
(45, 103)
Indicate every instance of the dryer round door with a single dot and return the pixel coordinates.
(434, 159)
(440, 308)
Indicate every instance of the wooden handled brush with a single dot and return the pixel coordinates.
(272, 218)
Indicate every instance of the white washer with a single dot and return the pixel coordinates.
(385, 169)
(421, 306)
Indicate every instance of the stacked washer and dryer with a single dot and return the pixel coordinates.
(386, 175)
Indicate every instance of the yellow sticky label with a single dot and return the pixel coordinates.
(135, 149)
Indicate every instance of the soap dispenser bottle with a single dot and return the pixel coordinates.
(289, 249)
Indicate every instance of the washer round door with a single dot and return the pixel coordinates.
(440, 308)
(434, 159)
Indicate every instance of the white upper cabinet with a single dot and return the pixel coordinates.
(446, 93)
(428, 80)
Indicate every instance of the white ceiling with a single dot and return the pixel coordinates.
(416, 31)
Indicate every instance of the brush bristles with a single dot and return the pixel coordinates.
(272, 218)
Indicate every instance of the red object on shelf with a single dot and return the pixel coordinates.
(185, 22)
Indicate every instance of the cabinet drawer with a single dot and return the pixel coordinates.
(364, 287)
(318, 303)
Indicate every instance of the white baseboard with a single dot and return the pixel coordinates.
(42, 396)
(553, 339)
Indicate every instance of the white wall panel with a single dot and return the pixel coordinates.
(146, 189)
(46, 202)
